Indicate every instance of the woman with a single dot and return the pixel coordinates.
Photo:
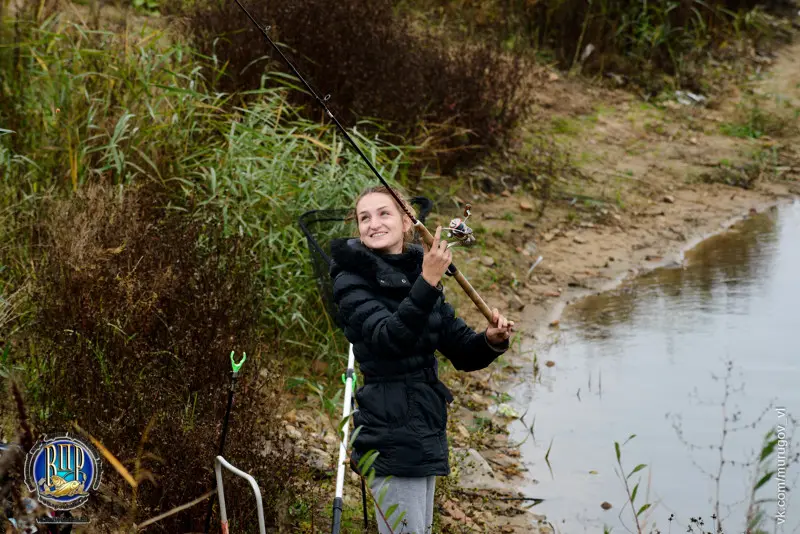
(390, 299)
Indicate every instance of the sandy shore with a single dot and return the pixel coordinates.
(661, 212)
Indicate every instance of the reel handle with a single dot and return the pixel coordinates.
(455, 273)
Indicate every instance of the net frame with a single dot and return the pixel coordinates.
(320, 227)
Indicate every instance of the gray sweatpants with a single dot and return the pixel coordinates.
(412, 495)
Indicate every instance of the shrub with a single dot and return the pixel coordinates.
(122, 114)
(373, 64)
(156, 227)
(640, 40)
(138, 309)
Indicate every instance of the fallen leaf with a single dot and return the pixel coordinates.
(452, 509)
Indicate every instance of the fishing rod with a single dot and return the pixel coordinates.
(457, 229)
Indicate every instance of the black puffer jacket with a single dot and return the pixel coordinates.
(396, 321)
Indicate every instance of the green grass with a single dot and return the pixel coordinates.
(86, 109)
(80, 107)
(565, 126)
(757, 165)
(752, 121)
(748, 130)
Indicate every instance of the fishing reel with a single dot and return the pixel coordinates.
(459, 230)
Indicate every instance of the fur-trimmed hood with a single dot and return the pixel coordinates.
(392, 270)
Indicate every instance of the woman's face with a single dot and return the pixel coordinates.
(381, 224)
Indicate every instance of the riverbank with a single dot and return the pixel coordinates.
(655, 187)
(481, 494)
(651, 225)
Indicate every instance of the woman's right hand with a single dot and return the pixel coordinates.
(436, 260)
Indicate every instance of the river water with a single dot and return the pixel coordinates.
(652, 358)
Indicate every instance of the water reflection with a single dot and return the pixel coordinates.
(648, 356)
(740, 259)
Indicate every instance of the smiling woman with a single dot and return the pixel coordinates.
(389, 295)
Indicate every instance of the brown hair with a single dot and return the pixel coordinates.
(408, 237)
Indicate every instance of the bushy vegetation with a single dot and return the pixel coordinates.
(454, 101)
(653, 45)
(149, 193)
(136, 311)
(148, 228)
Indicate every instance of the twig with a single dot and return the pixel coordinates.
(176, 510)
(138, 467)
(537, 262)
(476, 494)
(110, 457)
(617, 174)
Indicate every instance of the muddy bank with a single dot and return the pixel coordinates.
(645, 201)
(648, 183)
(658, 357)
(635, 249)
(482, 492)
(649, 205)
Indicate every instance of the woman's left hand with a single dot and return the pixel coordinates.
(500, 328)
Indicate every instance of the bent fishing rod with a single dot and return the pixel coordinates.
(426, 235)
